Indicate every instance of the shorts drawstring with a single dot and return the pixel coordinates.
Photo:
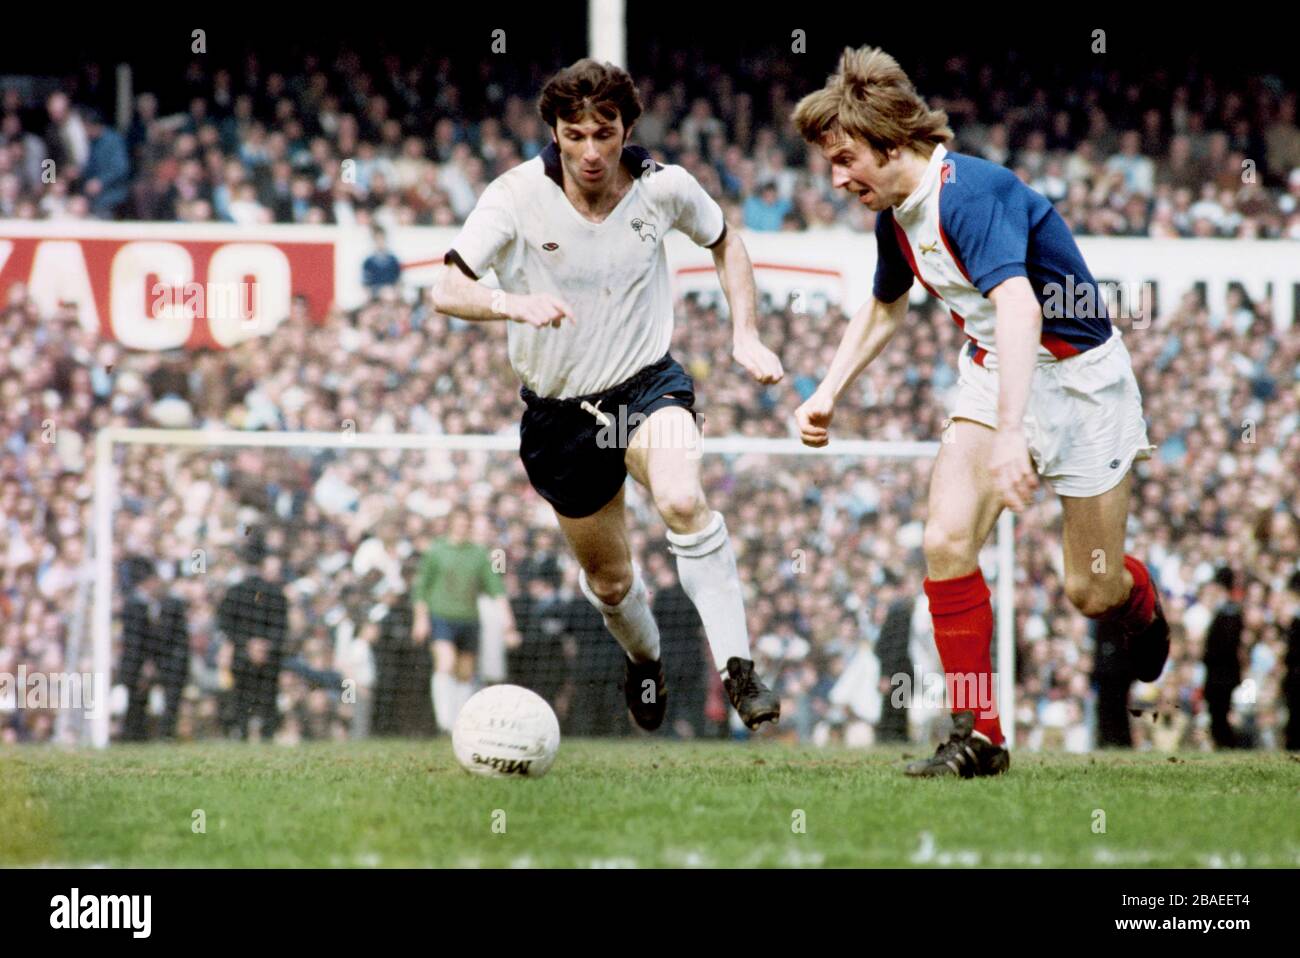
(601, 416)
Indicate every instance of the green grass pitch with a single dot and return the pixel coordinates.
(636, 804)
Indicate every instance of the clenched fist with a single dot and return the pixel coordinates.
(758, 360)
(538, 310)
(814, 419)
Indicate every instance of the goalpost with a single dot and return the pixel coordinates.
(757, 455)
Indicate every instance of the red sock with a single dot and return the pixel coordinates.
(963, 630)
(1137, 611)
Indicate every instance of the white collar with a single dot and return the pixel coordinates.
(928, 180)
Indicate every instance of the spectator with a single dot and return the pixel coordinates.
(1223, 660)
(654, 124)
(1180, 169)
(891, 650)
(1138, 171)
(66, 139)
(766, 211)
(403, 668)
(138, 130)
(542, 660)
(155, 650)
(1113, 677)
(107, 171)
(1283, 140)
(398, 175)
(254, 618)
(381, 269)
(699, 126)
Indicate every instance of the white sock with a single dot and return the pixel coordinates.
(464, 690)
(706, 565)
(630, 621)
(444, 700)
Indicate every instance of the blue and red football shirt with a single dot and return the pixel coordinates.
(970, 225)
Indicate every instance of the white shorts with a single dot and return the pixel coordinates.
(1083, 422)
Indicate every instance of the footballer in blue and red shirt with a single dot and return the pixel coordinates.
(1046, 386)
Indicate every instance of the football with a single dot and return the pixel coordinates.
(506, 731)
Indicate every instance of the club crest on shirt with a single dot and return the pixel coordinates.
(550, 247)
(645, 230)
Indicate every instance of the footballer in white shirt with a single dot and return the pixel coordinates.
(575, 238)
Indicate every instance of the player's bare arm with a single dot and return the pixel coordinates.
(870, 330)
(458, 295)
(1019, 328)
(591, 197)
(420, 628)
(736, 274)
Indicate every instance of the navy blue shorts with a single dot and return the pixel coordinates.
(463, 635)
(573, 459)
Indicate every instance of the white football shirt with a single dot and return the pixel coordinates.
(613, 274)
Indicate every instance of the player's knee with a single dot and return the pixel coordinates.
(444, 657)
(683, 510)
(610, 583)
(947, 549)
(1092, 594)
(465, 667)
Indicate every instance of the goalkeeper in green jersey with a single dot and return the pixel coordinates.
(453, 574)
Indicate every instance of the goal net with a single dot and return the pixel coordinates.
(263, 585)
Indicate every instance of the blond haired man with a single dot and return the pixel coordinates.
(1046, 386)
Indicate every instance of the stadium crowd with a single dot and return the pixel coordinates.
(411, 141)
(826, 546)
(829, 549)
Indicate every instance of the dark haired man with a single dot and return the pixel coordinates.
(155, 649)
(254, 617)
(1223, 658)
(575, 237)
